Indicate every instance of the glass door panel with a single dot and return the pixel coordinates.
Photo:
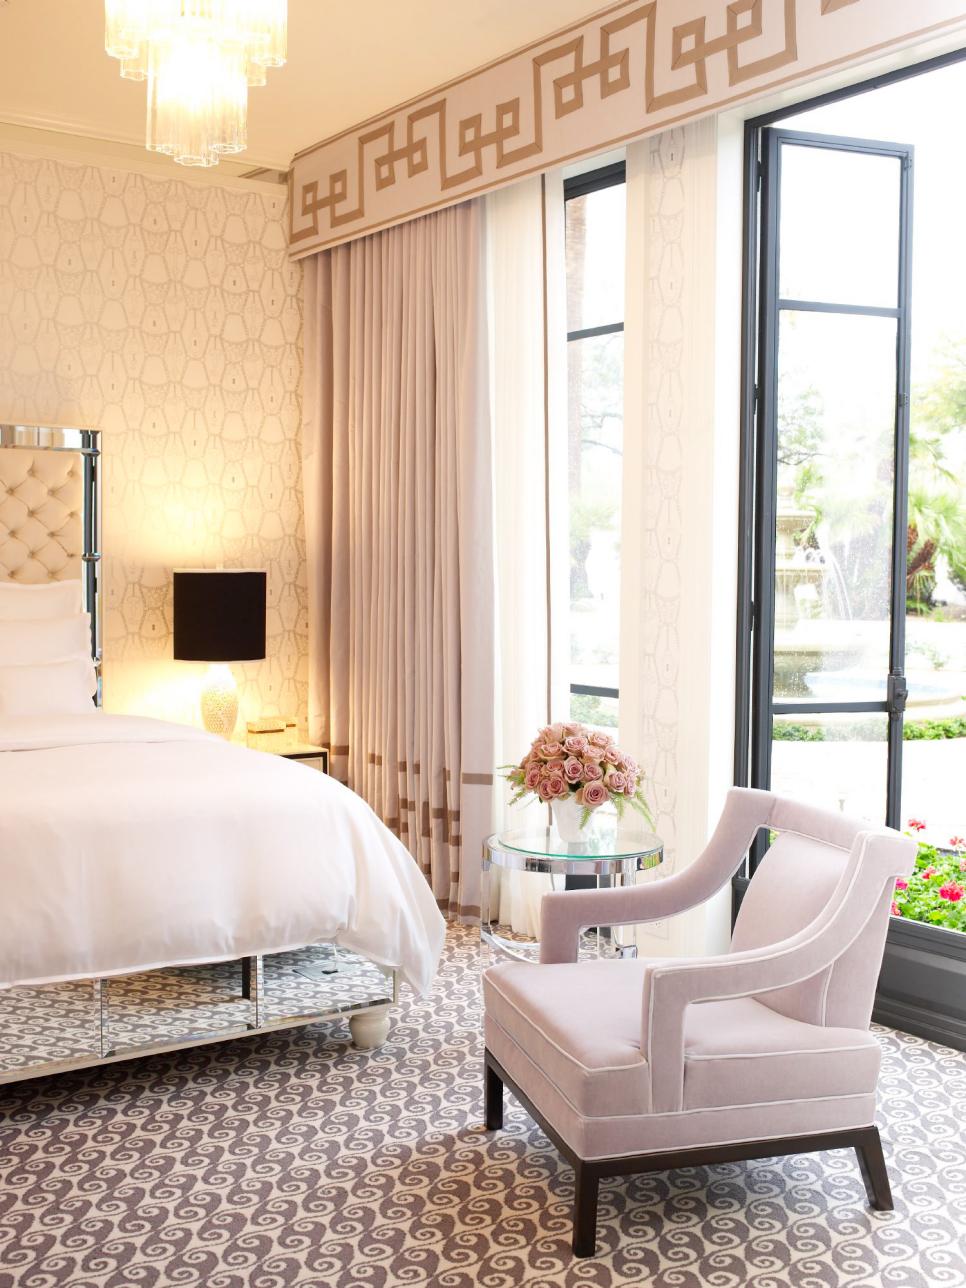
(832, 471)
(836, 482)
(839, 226)
(838, 760)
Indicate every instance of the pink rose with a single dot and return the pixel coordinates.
(532, 778)
(902, 885)
(593, 794)
(550, 751)
(615, 781)
(576, 744)
(591, 772)
(555, 766)
(599, 740)
(573, 770)
(612, 756)
(557, 785)
(544, 792)
(555, 732)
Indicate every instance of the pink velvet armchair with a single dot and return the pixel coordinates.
(639, 1066)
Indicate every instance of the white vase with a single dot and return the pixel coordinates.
(566, 818)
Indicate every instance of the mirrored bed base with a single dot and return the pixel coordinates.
(52, 1028)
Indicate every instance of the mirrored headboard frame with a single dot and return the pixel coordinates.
(85, 442)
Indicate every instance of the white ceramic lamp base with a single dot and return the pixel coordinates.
(219, 701)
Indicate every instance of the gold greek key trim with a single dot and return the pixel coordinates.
(632, 69)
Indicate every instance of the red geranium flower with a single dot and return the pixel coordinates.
(952, 892)
(926, 873)
(917, 825)
(957, 842)
(896, 910)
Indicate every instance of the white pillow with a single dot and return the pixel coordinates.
(57, 689)
(37, 643)
(31, 603)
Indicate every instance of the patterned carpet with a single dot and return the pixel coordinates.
(292, 1159)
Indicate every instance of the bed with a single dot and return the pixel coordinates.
(161, 887)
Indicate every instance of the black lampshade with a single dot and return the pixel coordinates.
(219, 616)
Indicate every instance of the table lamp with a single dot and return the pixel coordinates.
(219, 617)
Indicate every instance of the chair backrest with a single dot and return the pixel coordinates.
(794, 882)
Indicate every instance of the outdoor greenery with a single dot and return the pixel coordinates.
(934, 894)
(871, 731)
(937, 514)
(600, 713)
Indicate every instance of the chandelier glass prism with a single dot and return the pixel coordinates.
(199, 58)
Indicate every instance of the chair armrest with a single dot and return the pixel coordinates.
(673, 985)
(563, 915)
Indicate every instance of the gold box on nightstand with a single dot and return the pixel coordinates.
(272, 733)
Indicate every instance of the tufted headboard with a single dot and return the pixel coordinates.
(41, 515)
(49, 510)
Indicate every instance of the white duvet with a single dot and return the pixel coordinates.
(127, 844)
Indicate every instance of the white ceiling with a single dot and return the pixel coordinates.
(348, 60)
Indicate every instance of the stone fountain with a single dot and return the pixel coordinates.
(813, 626)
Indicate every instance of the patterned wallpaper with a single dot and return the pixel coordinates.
(167, 315)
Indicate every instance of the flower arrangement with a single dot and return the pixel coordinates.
(571, 762)
(936, 891)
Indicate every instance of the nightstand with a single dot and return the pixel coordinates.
(308, 754)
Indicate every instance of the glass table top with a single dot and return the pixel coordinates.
(609, 838)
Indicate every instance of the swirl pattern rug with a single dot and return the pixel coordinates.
(293, 1159)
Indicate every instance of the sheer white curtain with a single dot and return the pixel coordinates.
(516, 242)
(397, 476)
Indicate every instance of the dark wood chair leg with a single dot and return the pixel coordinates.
(246, 965)
(586, 1188)
(493, 1098)
(873, 1168)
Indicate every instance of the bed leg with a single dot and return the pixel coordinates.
(369, 1029)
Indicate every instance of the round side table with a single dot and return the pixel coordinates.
(612, 853)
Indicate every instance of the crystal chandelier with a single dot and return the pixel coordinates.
(199, 58)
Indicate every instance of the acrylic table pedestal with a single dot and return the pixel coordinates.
(612, 853)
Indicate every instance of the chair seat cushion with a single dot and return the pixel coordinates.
(580, 1024)
(740, 1052)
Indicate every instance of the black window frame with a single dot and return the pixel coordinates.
(581, 185)
(755, 480)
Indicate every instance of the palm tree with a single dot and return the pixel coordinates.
(937, 497)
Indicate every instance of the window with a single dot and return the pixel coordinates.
(595, 236)
(852, 659)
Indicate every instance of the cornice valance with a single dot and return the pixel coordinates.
(630, 70)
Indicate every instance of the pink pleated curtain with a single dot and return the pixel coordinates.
(399, 531)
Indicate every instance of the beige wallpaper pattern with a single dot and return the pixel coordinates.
(634, 68)
(167, 315)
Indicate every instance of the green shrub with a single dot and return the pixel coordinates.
(871, 731)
